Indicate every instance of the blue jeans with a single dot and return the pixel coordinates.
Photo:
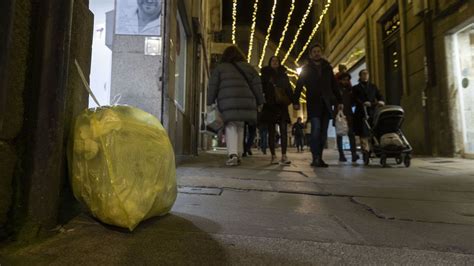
(319, 135)
(249, 136)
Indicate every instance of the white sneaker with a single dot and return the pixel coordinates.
(232, 161)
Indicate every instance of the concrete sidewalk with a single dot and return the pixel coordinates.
(265, 214)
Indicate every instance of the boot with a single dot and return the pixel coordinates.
(319, 163)
(355, 157)
(342, 157)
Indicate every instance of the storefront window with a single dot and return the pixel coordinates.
(464, 73)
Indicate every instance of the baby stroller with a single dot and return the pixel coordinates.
(386, 137)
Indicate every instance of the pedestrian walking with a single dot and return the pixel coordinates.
(307, 133)
(321, 94)
(341, 70)
(278, 95)
(236, 87)
(298, 132)
(263, 133)
(366, 94)
(345, 89)
(250, 132)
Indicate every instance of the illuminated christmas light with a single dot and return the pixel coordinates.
(293, 75)
(252, 30)
(291, 70)
(303, 93)
(285, 29)
(267, 38)
(234, 20)
(303, 21)
(313, 33)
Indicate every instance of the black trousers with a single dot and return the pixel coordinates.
(299, 142)
(319, 135)
(352, 142)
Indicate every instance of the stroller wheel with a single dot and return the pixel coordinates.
(399, 159)
(383, 161)
(366, 157)
(407, 160)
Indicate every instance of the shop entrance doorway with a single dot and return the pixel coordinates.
(392, 57)
(463, 69)
(393, 70)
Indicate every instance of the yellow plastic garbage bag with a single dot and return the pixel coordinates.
(122, 165)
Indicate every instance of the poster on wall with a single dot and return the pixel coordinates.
(138, 17)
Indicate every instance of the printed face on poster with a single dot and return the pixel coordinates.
(138, 17)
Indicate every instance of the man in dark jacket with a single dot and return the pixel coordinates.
(321, 94)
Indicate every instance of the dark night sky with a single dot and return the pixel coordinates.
(244, 17)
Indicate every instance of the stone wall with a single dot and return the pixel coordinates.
(77, 98)
(135, 77)
(18, 67)
(18, 135)
(414, 56)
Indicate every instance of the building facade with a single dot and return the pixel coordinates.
(170, 82)
(420, 54)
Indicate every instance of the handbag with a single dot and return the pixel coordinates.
(342, 128)
(214, 121)
(281, 97)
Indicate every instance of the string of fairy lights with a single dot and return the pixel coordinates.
(292, 73)
(267, 37)
(303, 21)
(315, 29)
(282, 38)
(234, 20)
(252, 30)
(285, 29)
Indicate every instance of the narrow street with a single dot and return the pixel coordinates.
(265, 214)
